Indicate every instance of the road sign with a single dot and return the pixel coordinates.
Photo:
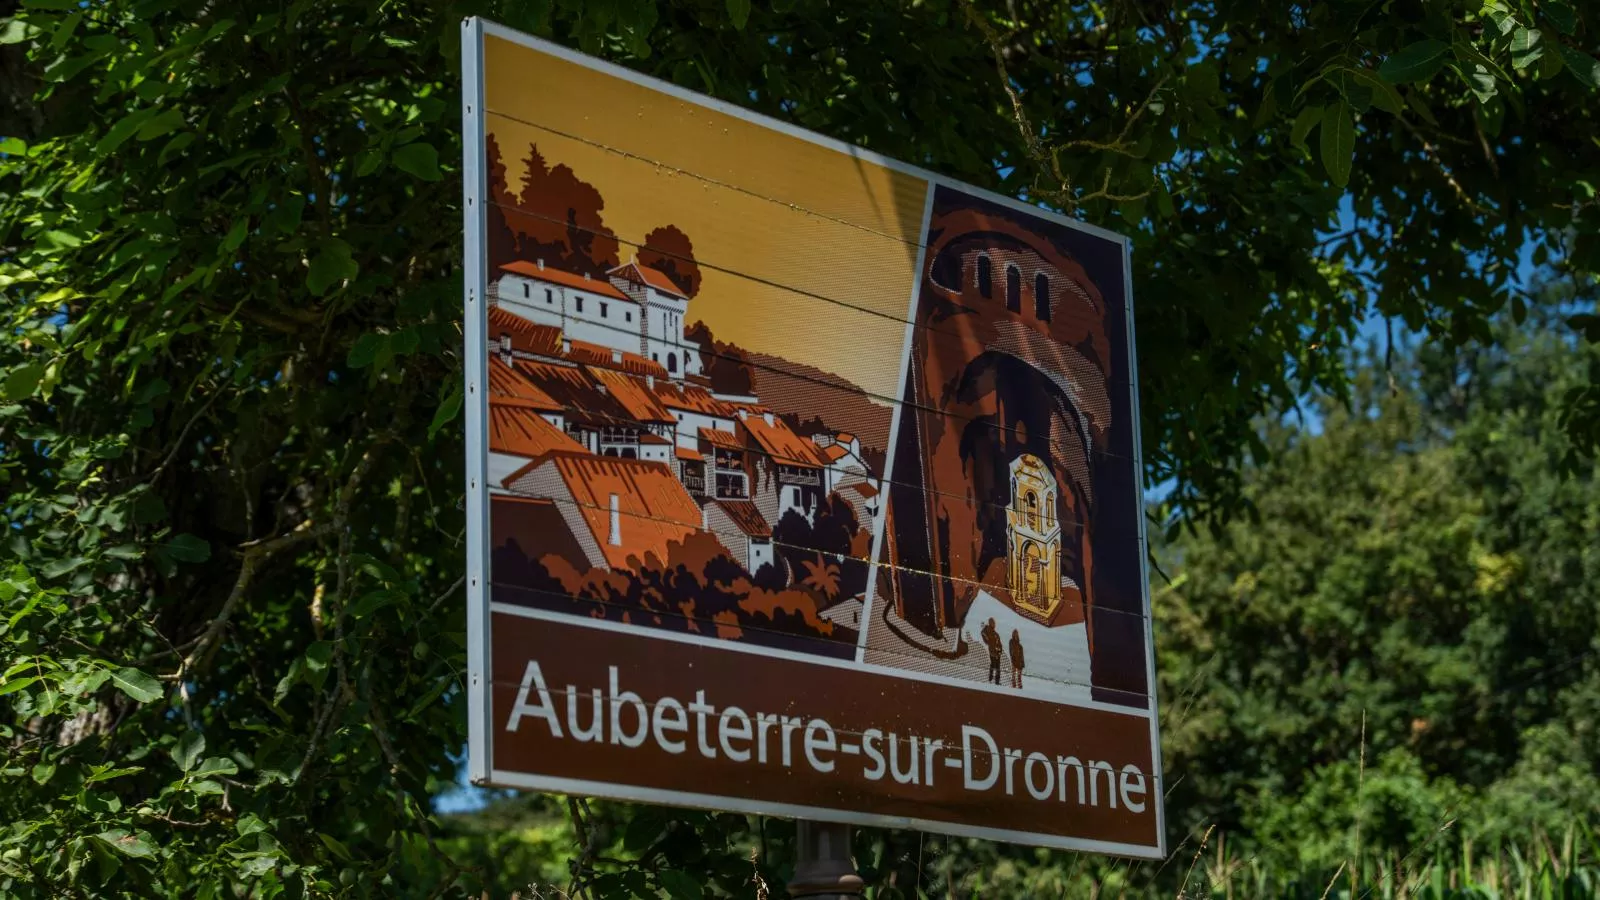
(801, 481)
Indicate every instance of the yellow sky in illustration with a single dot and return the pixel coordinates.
(806, 252)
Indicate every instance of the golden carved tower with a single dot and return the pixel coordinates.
(1033, 535)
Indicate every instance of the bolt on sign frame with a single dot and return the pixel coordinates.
(801, 481)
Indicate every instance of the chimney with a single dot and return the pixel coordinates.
(615, 539)
(768, 417)
(616, 356)
(566, 344)
(743, 413)
(539, 263)
(649, 381)
(586, 276)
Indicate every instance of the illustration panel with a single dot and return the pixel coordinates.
(691, 386)
(1011, 555)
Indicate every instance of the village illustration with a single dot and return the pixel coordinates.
(637, 474)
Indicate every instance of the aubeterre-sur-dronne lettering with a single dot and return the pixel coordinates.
(623, 717)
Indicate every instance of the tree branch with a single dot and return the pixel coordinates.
(253, 554)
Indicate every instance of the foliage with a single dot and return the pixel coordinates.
(230, 615)
(1399, 652)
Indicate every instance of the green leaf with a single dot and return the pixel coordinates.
(124, 129)
(54, 239)
(371, 602)
(680, 885)
(249, 824)
(15, 31)
(318, 655)
(335, 846)
(188, 548)
(1589, 324)
(332, 265)
(236, 234)
(1527, 45)
(186, 752)
(107, 771)
(1338, 142)
(1561, 13)
(166, 122)
(216, 765)
(365, 350)
(1384, 95)
(739, 12)
(135, 844)
(419, 159)
(448, 409)
(1309, 118)
(43, 772)
(1582, 66)
(13, 146)
(1417, 62)
(136, 684)
(13, 685)
(21, 382)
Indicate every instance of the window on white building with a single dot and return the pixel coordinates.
(527, 291)
(602, 309)
(549, 296)
(580, 304)
(628, 316)
(672, 362)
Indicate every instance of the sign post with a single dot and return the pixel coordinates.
(823, 867)
(801, 481)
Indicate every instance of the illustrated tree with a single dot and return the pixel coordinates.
(667, 248)
(231, 620)
(557, 217)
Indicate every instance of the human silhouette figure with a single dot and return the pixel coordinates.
(1016, 659)
(991, 639)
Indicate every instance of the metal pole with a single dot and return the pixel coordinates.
(823, 869)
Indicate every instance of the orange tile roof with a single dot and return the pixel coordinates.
(727, 440)
(834, 452)
(693, 399)
(579, 397)
(862, 488)
(523, 432)
(655, 509)
(845, 437)
(509, 388)
(565, 279)
(652, 438)
(783, 445)
(641, 274)
(754, 409)
(525, 335)
(687, 455)
(746, 517)
(633, 394)
(605, 357)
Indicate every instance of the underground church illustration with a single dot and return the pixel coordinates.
(987, 561)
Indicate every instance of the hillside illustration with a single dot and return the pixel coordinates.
(641, 470)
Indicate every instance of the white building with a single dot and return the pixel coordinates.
(584, 308)
(665, 307)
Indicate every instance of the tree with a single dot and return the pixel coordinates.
(670, 250)
(230, 369)
(557, 217)
(1419, 589)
